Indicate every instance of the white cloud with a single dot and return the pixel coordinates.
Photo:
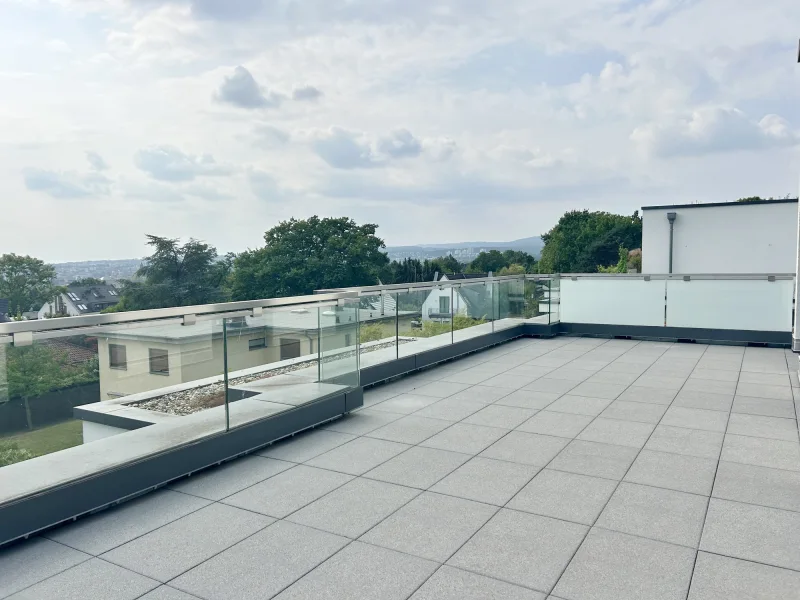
(242, 90)
(400, 144)
(168, 163)
(306, 93)
(712, 130)
(343, 149)
(66, 185)
(96, 161)
(269, 136)
(59, 46)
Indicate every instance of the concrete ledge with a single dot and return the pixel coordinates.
(23, 516)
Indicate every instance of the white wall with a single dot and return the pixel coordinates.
(432, 302)
(739, 238)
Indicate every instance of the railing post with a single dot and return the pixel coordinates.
(225, 372)
(796, 323)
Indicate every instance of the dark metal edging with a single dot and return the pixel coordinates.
(719, 336)
(715, 204)
(29, 515)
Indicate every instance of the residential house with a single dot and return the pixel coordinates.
(474, 301)
(81, 300)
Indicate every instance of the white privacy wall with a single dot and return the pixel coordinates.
(715, 304)
(733, 238)
(612, 301)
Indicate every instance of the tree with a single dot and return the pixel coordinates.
(176, 275)
(513, 269)
(760, 199)
(34, 370)
(620, 267)
(412, 270)
(301, 256)
(494, 261)
(582, 240)
(26, 282)
(447, 264)
(86, 281)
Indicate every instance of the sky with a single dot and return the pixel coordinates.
(438, 120)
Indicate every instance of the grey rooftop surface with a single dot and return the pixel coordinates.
(570, 469)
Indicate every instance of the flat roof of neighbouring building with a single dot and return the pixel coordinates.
(714, 204)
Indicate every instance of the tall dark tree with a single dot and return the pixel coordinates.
(413, 270)
(494, 260)
(26, 282)
(177, 275)
(301, 256)
(582, 240)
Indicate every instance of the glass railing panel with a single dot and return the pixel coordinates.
(424, 320)
(339, 335)
(474, 310)
(510, 304)
(738, 304)
(554, 299)
(536, 302)
(273, 360)
(158, 383)
(378, 329)
(612, 300)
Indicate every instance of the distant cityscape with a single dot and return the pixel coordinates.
(114, 270)
(464, 251)
(110, 270)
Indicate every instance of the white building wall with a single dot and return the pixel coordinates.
(431, 303)
(735, 238)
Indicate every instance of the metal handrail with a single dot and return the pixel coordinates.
(187, 312)
(376, 290)
(682, 276)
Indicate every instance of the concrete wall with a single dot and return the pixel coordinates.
(735, 238)
(136, 377)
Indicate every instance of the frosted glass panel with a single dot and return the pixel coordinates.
(717, 304)
(612, 301)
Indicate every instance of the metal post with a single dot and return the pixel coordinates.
(452, 315)
(796, 328)
(671, 217)
(397, 325)
(225, 372)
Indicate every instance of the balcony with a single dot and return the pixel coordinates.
(516, 459)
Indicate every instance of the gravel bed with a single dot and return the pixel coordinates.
(187, 402)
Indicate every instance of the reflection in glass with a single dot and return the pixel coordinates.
(378, 329)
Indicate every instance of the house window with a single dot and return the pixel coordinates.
(117, 356)
(444, 305)
(257, 344)
(159, 362)
(290, 348)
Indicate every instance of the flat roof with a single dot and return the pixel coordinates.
(713, 204)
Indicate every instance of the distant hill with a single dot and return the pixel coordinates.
(464, 251)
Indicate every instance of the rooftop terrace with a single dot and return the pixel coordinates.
(567, 468)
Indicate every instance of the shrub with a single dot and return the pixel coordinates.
(371, 333)
(11, 453)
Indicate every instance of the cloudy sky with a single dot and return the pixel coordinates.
(439, 120)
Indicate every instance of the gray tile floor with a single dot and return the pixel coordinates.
(570, 469)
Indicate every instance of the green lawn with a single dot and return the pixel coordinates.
(49, 439)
